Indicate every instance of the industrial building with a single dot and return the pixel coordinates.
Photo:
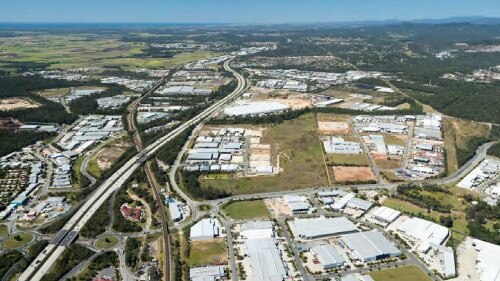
(328, 256)
(207, 273)
(422, 233)
(340, 146)
(370, 246)
(255, 108)
(321, 227)
(205, 229)
(385, 214)
(257, 229)
(297, 204)
(266, 260)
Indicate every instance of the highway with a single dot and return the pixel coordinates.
(44, 261)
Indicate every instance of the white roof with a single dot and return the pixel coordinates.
(487, 260)
(321, 227)
(327, 255)
(257, 107)
(205, 228)
(423, 231)
(265, 260)
(386, 214)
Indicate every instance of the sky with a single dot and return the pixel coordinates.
(239, 11)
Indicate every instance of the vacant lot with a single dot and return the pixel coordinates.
(3, 230)
(295, 143)
(347, 159)
(459, 133)
(241, 210)
(343, 174)
(208, 252)
(57, 92)
(333, 127)
(17, 103)
(17, 240)
(406, 273)
(107, 155)
(388, 163)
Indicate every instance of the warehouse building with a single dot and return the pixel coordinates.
(328, 256)
(297, 204)
(422, 233)
(207, 273)
(205, 229)
(338, 145)
(370, 246)
(321, 227)
(385, 214)
(266, 260)
(255, 108)
(257, 229)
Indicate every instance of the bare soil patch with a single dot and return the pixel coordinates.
(353, 173)
(17, 103)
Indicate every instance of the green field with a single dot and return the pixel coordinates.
(106, 242)
(208, 252)
(347, 159)
(87, 50)
(17, 240)
(387, 164)
(297, 145)
(3, 230)
(406, 273)
(247, 209)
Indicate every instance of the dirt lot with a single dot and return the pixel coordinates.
(9, 124)
(353, 174)
(333, 127)
(278, 207)
(108, 155)
(17, 103)
(293, 103)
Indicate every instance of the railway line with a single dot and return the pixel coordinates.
(44, 261)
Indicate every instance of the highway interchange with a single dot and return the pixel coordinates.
(45, 260)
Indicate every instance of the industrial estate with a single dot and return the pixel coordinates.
(219, 152)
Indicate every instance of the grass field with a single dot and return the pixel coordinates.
(241, 210)
(3, 230)
(347, 159)
(388, 164)
(208, 252)
(390, 176)
(17, 240)
(76, 171)
(459, 132)
(298, 147)
(406, 273)
(86, 50)
(107, 242)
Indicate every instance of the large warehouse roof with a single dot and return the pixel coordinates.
(266, 260)
(321, 227)
(253, 108)
(328, 255)
(386, 214)
(424, 232)
(206, 228)
(370, 245)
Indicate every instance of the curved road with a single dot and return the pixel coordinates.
(44, 261)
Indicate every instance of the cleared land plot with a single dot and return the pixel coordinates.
(457, 134)
(105, 157)
(388, 163)
(343, 174)
(347, 159)
(57, 92)
(17, 240)
(242, 210)
(106, 242)
(208, 252)
(406, 273)
(296, 147)
(333, 127)
(16, 103)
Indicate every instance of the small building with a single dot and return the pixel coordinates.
(210, 273)
(385, 214)
(205, 229)
(328, 256)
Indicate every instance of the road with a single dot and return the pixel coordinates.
(44, 261)
(373, 165)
